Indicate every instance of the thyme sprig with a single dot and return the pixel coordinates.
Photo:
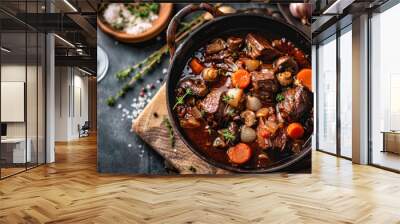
(280, 97)
(171, 137)
(228, 135)
(226, 98)
(181, 99)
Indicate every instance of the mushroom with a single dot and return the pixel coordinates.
(234, 43)
(265, 111)
(286, 63)
(219, 143)
(285, 78)
(210, 74)
(189, 122)
(249, 117)
(251, 64)
(216, 46)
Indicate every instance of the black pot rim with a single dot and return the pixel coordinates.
(296, 157)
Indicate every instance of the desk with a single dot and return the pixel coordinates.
(18, 149)
(391, 141)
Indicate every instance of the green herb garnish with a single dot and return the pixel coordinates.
(226, 98)
(143, 9)
(181, 100)
(170, 132)
(230, 112)
(154, 7)
(279, 97)
(123, 74)
(111, 101)
(228, 135)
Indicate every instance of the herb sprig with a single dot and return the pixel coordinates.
(280, 97)
(228, 135)
(226, 98)
(230, 111)
(181, 99)
(171, 136)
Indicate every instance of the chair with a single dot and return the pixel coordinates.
(84, 130)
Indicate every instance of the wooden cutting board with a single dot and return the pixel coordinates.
(150, 127)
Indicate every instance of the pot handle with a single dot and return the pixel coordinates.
(173, 25)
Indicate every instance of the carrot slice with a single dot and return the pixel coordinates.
(305, 77)
(239, 153)
(196, 66)
(295, 130)
(241, 78)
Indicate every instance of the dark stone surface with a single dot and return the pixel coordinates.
(114, 135)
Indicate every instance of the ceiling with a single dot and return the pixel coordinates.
(332, 15)
(74, 22)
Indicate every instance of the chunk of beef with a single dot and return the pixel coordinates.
(266, 68)
(211, 102)
(189, 122)
(265, 85)
(290, 49)
(263, 135)
(286, 63)
(227, 65)
(259, 46)
(192, 118)
(234, 43)
(194, 112)
(218, 57)
(216, 46)
(198, 86)
(280, 140)
(297, 102)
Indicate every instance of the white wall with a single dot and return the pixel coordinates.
(15, 72)
(71, 102)
(33, 126)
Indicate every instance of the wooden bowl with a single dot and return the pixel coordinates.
(158, 25)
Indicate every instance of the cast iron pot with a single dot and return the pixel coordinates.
(222, 25)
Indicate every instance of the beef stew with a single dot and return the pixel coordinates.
(240, 101)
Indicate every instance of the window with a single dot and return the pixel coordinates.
(327, 96)
(385, 89)
(22, 78)
(345, 42)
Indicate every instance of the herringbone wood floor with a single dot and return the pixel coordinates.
(71, 191)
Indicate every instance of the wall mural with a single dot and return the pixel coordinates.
(204, 89)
